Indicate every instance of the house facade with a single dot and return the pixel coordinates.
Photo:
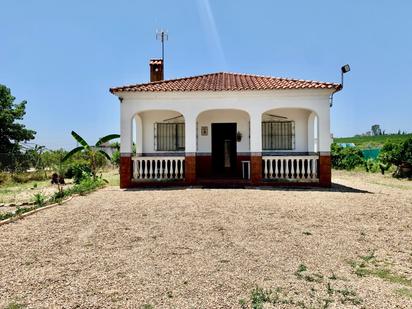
(225, 128)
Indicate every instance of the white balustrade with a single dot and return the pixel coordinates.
(158, 168)
(299, 168)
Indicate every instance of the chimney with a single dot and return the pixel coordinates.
(156, 70)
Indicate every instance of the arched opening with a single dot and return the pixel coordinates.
(223, 142)
(158, 145)
(289, 130)
(158, 132)
(290, 138)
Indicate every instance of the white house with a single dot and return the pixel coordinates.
(225, 128)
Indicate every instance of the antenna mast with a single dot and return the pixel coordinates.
(162, 36)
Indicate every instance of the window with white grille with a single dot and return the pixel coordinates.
(278, 135)
(169, 136)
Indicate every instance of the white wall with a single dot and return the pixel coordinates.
(204, 143)
(149, 118)
(191, 104)
(300, 117)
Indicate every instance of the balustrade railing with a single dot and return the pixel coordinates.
(302, 168)
(158, 168)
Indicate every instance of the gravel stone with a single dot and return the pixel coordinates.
(209, 248)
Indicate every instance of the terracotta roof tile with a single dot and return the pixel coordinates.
(226, 82)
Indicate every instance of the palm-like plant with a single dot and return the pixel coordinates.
(92, 153)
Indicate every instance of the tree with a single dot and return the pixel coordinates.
(93, 154)
(346, 158)
(399, 154)
(11, 131)
(376, 130)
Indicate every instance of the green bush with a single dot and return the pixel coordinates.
(86, 185)
(78, 171)
(398, 154)
(116, 158)
(346, 158)
(39, 199)
(5, 177)
(372, 166)
(24, 177)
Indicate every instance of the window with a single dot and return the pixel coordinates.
(278, 135)
(169, 136)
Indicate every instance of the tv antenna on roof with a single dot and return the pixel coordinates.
(162, 36)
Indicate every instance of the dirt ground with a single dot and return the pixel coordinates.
(349, 246)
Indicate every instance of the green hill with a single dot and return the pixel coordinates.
(365, 142)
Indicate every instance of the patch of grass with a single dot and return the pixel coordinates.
(112, 177)
(301, 268)
(369, 257)
(5, 215)
(14, 305)
(9, 191)
(300, 273)
(349, 296)
(320, 293)
(85, 186)
(307, 233)
(147, 306)
(404, 292)
(333, 277)
(259, 297)
(364, 268)
(386, 275)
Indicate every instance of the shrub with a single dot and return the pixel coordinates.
(372, 166)
(39, 199)
(390, 153)
(346, 158)
(86, 185)
(78, 172)
(399, 155)
(116, 158)
(5, 178)
(59, 195)
(24, 177)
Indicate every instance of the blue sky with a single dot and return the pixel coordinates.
(63, 56)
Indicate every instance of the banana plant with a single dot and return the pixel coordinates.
(92, 153)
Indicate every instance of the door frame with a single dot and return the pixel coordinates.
(218, 170)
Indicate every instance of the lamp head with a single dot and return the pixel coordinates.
(345, 68)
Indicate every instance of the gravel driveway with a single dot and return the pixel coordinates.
(191, 248)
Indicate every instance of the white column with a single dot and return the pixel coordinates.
(311, 132)
(255, 132)
(324, 139)
(139, 134)
(126, 135)
(190, 133)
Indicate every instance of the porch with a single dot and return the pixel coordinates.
(223, 142)
(281, 169)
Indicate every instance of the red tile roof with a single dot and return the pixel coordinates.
(226, 82)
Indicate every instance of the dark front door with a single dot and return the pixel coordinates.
(224, 151)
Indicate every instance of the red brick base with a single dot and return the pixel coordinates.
(125, 171)
(190, 169)
(325, 171)
(256, 169)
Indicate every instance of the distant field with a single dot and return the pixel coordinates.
(365, 142)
